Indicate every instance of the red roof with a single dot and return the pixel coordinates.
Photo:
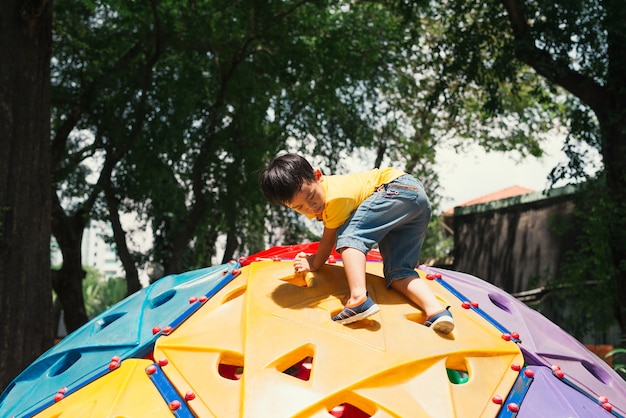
(499, 195)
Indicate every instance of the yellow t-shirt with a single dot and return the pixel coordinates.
(344, 193)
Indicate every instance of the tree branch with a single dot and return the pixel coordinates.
(557, 71)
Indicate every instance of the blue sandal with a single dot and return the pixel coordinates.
(352, 314)
(441, 321)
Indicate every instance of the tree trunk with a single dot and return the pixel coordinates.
(183, 236)
(608, 102)
(119, 235)
(614, 156)
(232, 243)
(613, 131)
(68, 282)
(25, 291)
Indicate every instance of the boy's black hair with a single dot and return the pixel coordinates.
(283, 177)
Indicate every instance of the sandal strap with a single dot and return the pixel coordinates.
(431, 319)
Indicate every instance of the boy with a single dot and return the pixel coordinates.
(384, 206)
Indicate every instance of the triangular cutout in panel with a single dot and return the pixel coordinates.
(297, 363)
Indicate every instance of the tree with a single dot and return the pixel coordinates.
(576, 48)
(587, 59)
(179, 105)
(183, 113)
(99, 74)
(25, 293)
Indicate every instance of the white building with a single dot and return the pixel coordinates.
(96, 253)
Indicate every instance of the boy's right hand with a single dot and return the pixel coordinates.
(301, 263)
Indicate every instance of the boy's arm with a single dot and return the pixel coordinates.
(317, 260)
(329, 238)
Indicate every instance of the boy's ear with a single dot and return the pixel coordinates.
(318, 174)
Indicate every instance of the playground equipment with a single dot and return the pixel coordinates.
(252, 339)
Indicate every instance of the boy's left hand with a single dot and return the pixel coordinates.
(301, 263)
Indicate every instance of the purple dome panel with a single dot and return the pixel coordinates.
(548, 396)
(543, 343)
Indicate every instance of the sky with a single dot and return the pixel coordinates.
(475, 173)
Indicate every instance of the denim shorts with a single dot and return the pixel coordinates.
(396, 218)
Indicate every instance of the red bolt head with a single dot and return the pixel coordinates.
(189, 396)
(156, 330)
(331, 259)
(116, 358)
(466, 305)
(438, 275)
(603, 399)
(555, 367)
(167, 330)
(515, 335)
(193, 299)
(513, 407)
(163, 362)
(203, 299)
(497, 399)
(607, 406)
(529, 373)
(506, 337)
(58, 397)
(151, 369)
(113, 365)
(64, 389)
(430, 277)
(474, 304)
(236, 271)
(516, 367)
(174, 405)
(559, 373)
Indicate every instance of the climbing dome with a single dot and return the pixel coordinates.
(251, 339)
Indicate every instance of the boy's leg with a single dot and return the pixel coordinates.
(359, 304)
(419, 293)
(354, 266)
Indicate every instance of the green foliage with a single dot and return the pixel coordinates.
(533, 65)
(586, 282)
(543, 63)
(174, 108)
(179, 105)
(486, 93)
(618, 356)
(583, 138)
(437, 245)
(100, 293)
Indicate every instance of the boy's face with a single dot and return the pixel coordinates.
(311, 199)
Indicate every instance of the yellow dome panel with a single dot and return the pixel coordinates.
(209, 342)
(124, 392)
(265, 345)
